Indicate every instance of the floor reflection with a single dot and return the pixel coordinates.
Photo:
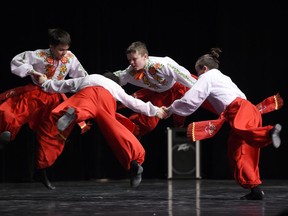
(153, 197)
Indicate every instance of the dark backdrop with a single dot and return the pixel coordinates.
(252, 37)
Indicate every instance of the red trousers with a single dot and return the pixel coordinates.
(97, 103)
(29, 104)
(246, 137)
(146, 123)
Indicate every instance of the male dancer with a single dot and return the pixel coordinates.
(95, 98)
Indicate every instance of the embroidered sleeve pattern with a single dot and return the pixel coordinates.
(181, 74)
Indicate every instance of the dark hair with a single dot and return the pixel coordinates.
(58, 36)
(137, 46)
(111, 76)
(209, 60)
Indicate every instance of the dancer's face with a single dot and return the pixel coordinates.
(136, 60)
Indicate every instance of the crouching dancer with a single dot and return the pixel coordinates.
(28, 104)
(95, 98)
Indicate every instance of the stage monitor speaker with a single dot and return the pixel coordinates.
(183, 155)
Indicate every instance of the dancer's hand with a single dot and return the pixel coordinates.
(161, 113)
(41, 79)
(35, 73)
(167, 111)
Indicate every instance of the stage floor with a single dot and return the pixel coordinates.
(152, 197)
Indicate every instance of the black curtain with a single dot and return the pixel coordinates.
(253, 41)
